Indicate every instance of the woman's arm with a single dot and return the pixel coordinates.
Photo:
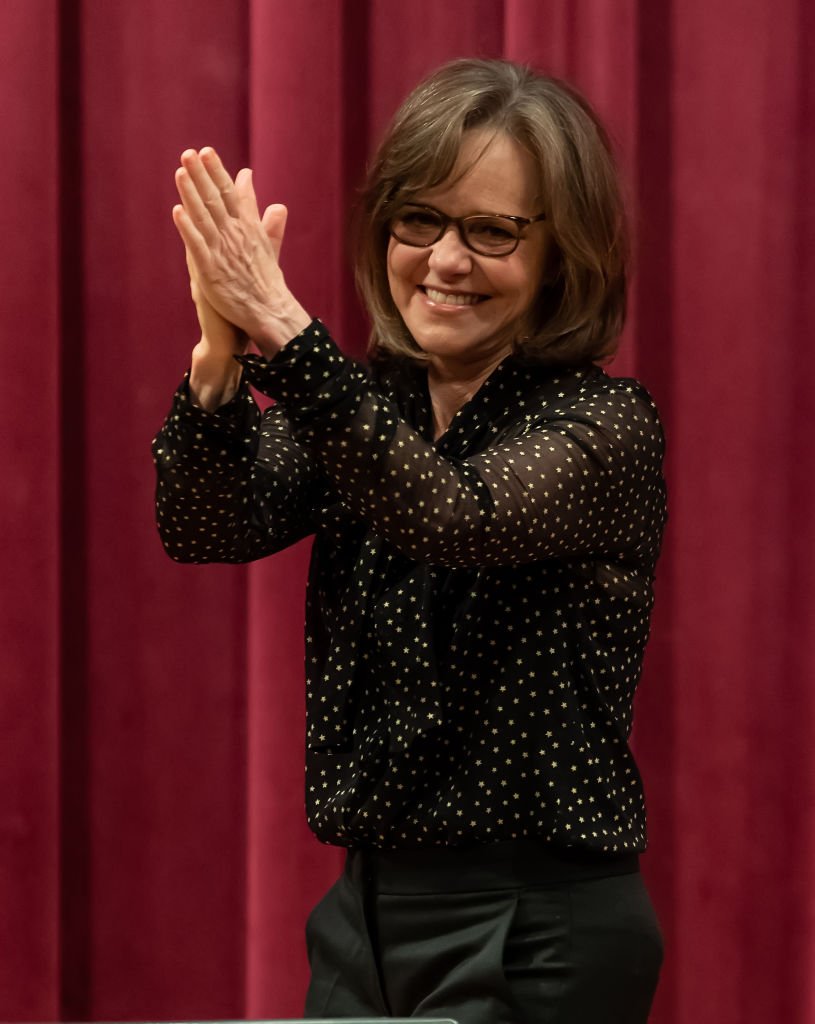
(232, 485)
(585, 479)
(588, 480)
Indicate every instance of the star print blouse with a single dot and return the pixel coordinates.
(477, 606)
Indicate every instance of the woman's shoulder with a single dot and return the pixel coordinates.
(565, 399)
(590, 386)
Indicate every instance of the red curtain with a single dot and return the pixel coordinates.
(154, 861)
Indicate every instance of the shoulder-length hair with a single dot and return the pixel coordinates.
(580, 308)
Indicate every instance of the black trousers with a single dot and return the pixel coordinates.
(504, 934)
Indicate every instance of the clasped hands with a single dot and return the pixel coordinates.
(233, 253)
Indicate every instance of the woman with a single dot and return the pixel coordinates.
(487, 508)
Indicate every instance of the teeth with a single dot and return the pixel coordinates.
(450, 298)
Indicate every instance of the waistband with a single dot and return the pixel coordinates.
(514, 864)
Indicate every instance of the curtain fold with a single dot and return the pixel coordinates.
(154, 859)
(743, 227)
(30, 360)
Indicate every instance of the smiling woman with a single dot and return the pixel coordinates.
(465, 310)
(487, 506)
(562, 156)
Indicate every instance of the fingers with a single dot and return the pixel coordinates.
(206, 189)
(274, 225)
(209, 195)
(224, 187)
(195, 243)
(194, 206)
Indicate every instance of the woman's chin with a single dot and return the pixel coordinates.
(462, 346)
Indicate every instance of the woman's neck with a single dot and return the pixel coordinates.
(452, 386)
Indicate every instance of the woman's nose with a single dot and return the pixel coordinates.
(450, 254)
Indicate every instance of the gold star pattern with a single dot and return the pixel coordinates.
(478, 605)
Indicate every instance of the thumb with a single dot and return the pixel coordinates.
(274, 224)
(245, 191)
(195, 286)
(192, 269)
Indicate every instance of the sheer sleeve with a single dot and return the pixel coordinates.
(582, 475)
(233, 485)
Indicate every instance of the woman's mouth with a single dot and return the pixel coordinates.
(443, 298)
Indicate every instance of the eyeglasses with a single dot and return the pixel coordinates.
(485, 234)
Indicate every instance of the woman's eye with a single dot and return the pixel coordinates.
(491, 231)
(419, 219)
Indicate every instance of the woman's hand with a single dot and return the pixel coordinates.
(235, 252)
(219, 338)
(214, 374)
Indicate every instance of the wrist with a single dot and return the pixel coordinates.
(278, 330)
(214, 377)
(219, 339)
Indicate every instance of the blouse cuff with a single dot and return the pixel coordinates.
(227, 422)
(309, 376)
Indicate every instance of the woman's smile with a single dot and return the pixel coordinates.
(442, 297)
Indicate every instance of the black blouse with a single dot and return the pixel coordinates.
(477, 606)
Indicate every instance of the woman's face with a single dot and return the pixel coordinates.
(459, 306)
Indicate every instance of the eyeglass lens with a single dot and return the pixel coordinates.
(491, 236)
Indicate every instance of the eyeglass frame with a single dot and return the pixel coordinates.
(458, 222)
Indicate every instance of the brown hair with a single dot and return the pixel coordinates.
(580, 308)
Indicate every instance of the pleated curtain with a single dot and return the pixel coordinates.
(154, 859)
